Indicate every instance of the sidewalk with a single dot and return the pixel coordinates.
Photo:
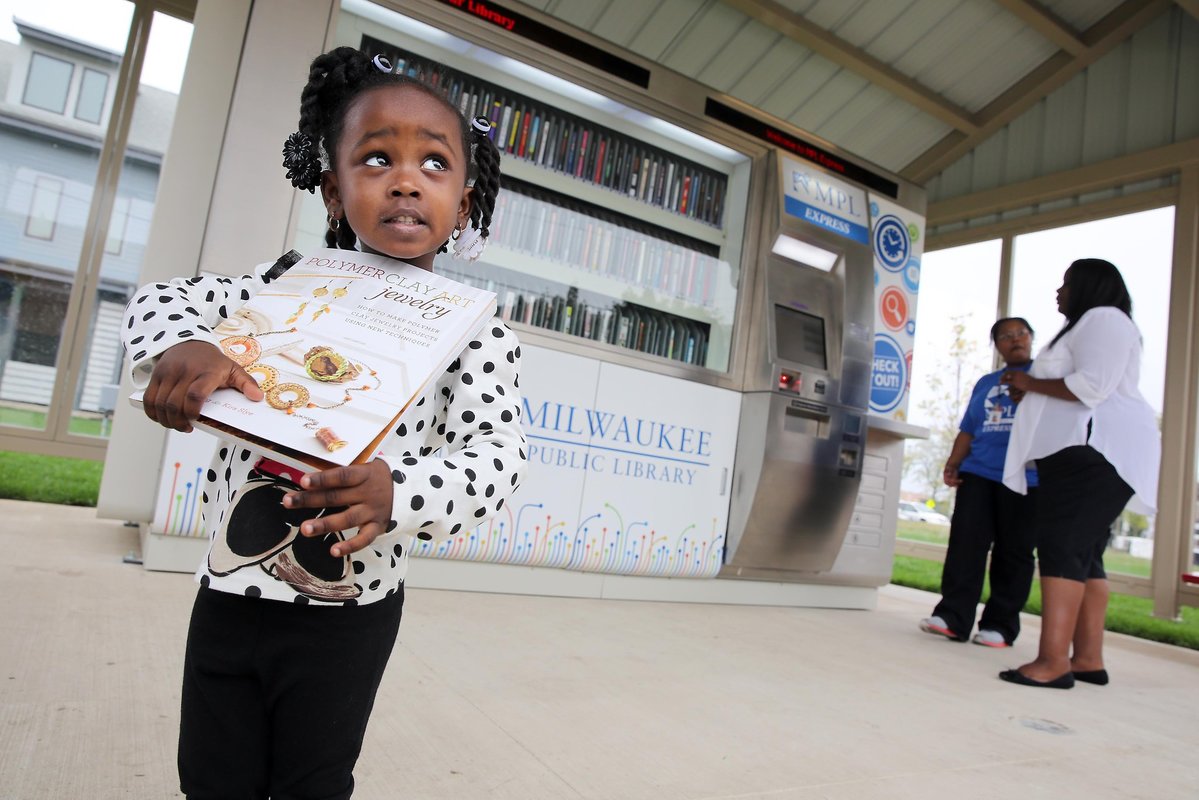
(498, 696)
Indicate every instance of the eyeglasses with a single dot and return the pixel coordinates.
(1013, 335)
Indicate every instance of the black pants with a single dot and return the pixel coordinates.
(987, 513)
(1081, 496)
(276, 696)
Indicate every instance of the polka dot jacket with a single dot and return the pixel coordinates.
(456, 458)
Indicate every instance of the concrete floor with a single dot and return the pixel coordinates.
(497, 696)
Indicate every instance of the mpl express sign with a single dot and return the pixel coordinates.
(820, 199)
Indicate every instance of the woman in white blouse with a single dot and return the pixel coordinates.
(1096, 446)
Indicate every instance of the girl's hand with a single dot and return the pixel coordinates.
(365, 490)
(183, 378)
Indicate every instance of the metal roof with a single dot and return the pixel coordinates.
(959, 95)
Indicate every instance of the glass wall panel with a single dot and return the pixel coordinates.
(47, 179)
(66, 56)
(958, 297)
(129, 223)
(1141, 246)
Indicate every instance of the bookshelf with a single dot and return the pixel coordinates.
(612, 226)
(563, 264)
(543, 135)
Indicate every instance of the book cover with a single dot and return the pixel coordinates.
(341, 343)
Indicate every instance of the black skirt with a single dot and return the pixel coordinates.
(1079, 498)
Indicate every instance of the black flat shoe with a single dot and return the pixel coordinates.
(1065, 681)
(1095, 676)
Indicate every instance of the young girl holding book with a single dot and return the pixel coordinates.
(301, 595)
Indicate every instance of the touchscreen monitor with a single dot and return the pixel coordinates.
(800, 337)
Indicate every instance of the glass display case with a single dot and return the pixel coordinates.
(612, 225)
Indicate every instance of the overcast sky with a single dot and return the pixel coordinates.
(106, 23)
(964, 280)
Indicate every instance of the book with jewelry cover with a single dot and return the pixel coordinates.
(341, 343)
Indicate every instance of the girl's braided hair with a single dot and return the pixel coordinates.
(334, 80)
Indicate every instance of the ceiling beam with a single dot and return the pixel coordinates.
(1118, 171)
(935, 239)
(1046, 23)
(842, 53)
(1190, 6)
(1123, 21)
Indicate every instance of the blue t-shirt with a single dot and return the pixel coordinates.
(989, 419)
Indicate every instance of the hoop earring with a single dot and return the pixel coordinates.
(455, 234)
(334, 223)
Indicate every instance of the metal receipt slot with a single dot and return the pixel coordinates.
(806, 393)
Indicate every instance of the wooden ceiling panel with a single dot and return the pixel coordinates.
(834, 95)
(770, 72)
(658, 33)
(705, 36)
(742, 53)
(622, 20)
(917, 85)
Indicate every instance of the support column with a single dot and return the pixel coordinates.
(1004, 292)
(1176, 490)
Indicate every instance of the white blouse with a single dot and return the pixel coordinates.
(1100, 360)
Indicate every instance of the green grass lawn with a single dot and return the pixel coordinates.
(1113, 560)
(1125, 614)
(74, 481)
(50, 479)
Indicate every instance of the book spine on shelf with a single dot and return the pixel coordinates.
(604, 168)
(580, 156)
(514, 129)
(501, 137)
(523, 144)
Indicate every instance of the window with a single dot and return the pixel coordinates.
(48, 82)
(1141, 246)
(43, 208)
(958, 297)
(93, 88)
(52, 387)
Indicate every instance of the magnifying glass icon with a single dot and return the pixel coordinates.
(892, 309)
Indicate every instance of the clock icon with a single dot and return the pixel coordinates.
(891, 243)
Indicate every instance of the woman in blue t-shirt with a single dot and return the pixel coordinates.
(986, 512)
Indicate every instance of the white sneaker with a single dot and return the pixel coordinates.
(989, 639)
(936, 625)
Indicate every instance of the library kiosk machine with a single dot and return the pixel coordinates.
(806, 393)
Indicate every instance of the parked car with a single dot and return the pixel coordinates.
(914, 512)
